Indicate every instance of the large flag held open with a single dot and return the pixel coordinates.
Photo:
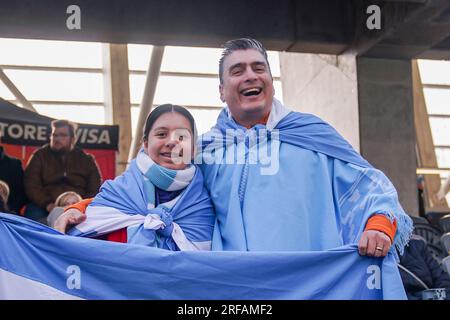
(37, 262)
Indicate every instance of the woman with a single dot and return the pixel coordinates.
(160, 200)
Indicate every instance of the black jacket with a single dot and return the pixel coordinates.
(419, 260)
(12, 173)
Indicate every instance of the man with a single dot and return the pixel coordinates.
(321, 194)
(11, 172)
(56, 168)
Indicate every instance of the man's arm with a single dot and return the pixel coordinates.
(377, 237)
(34, 187)
(370, 204)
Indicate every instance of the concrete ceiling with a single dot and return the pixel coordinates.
(409, 29)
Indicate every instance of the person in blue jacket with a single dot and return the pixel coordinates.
(420, 271)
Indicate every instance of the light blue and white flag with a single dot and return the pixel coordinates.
(37, 262)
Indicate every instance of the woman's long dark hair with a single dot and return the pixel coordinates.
(164, 108)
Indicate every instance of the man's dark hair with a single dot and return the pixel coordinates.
(164, 108)
(240, 44)
(65, 123)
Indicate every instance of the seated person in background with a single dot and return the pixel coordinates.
(11, 172)
(65, 199)
(56, 168)
(418, 260)
(160, 200)
(4, 194)
(420, 193)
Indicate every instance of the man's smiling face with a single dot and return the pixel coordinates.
(247, 86)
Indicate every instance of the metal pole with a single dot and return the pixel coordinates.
(19, 96)
(154, 68)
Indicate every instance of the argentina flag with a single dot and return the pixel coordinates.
(37, 262)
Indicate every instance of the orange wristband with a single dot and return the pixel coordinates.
(81, 206)
(381, 223)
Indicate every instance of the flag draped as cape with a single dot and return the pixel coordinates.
(292, 184)
(123, 203)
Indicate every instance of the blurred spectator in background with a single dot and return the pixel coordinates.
(11, 172)
(63, 200)
(67, 198)
(56, 168)
(4, 194)
(422, 272)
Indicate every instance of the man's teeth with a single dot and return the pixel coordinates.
(167, 154)
(251, 91)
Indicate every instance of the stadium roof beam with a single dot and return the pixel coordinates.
(16, 92)
(151, 82)
(410, 29)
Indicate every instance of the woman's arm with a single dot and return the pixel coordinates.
(73, 215)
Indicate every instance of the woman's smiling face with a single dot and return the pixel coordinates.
(169, 141)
